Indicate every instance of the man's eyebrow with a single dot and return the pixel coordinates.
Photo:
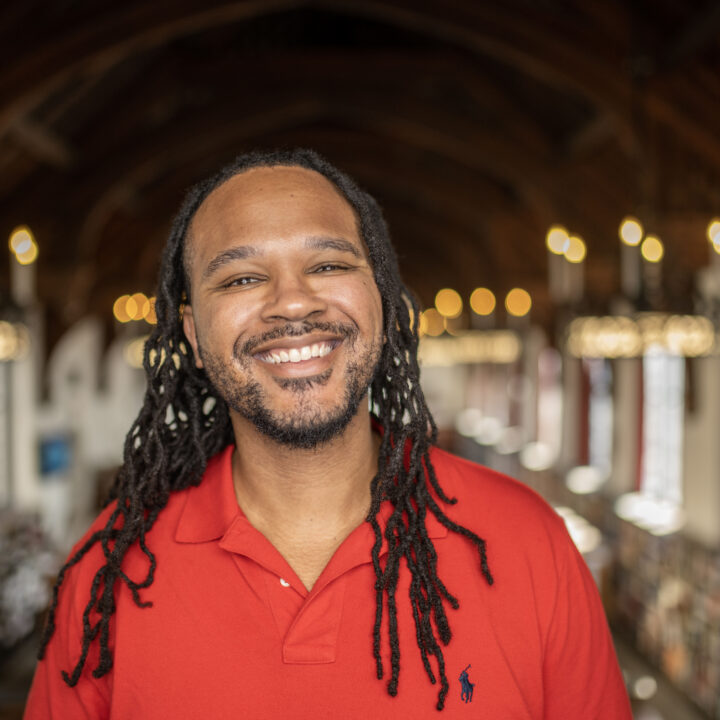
(240, 252)
(332, 243)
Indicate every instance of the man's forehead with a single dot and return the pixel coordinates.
(263, 194)
(273, 184)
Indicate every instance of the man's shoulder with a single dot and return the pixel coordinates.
(209, 491)
(110, 518)
(484, 493)
(469, 477)
(91, 550)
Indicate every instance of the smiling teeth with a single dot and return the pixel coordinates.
(295, 355)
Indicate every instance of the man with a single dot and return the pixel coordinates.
(273, 549)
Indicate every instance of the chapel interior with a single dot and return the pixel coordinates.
(550, 173)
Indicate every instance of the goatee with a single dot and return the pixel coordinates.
(306, 427)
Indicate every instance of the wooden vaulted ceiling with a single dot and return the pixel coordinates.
(476, 124)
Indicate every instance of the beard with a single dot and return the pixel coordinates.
(307, 425)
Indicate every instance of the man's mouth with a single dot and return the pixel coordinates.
(279, 355)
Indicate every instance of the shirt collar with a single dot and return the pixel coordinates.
(211, 507)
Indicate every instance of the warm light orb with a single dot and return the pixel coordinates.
(652, 249)
(432, 323)
(120, 309)
(518, 302)
(713, 231)
(448, 303)
(29, 256)
(556, 239)
(22, 244)
(21, 240)
(482, 301)
(141, 306)
(131, 307)
(576, 250)
(631, 231)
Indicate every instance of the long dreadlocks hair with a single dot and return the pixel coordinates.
(183, 423)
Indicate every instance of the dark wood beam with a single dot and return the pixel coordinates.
(562, 53)
(42, 142)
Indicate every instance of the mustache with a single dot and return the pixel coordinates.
(345, 330)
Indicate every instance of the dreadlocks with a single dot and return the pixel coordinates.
(183, 423)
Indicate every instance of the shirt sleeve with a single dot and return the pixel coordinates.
(581, 675)
(50, 697)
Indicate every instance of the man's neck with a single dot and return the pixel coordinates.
(306, 502)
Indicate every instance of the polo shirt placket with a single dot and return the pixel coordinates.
(307, 621)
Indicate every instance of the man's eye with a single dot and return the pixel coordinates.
(329, 267)
(235, 282)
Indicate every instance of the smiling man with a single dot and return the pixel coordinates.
(273, 549)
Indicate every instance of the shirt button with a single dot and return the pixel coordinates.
(284, 582)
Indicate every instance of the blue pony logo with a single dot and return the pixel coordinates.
(467, 687)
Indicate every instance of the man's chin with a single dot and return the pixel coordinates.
(303, 412)
(302, 434)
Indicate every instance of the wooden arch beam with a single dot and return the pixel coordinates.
(139, 166)
(561, 56)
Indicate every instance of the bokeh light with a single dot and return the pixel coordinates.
(448, 303)
(23, 246)
(518, 302)
(21, 238)
(482, 301)
(120, 309)
(135, 307)
(140, 306)
(28, 257)
(713, 232)
(652, 249)
(556, 239)
(631, 231)
(576, 250)
(431, 323)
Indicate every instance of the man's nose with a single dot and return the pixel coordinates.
(293, 298)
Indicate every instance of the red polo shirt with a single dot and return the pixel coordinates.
(233, 633)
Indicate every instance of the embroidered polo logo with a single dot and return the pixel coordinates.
(466, 691)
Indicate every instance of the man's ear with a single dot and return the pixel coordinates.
(189, 329)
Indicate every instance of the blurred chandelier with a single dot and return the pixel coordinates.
(631, 336)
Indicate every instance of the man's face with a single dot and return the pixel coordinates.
(285, 315)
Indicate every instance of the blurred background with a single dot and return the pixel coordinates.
(550, 171)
